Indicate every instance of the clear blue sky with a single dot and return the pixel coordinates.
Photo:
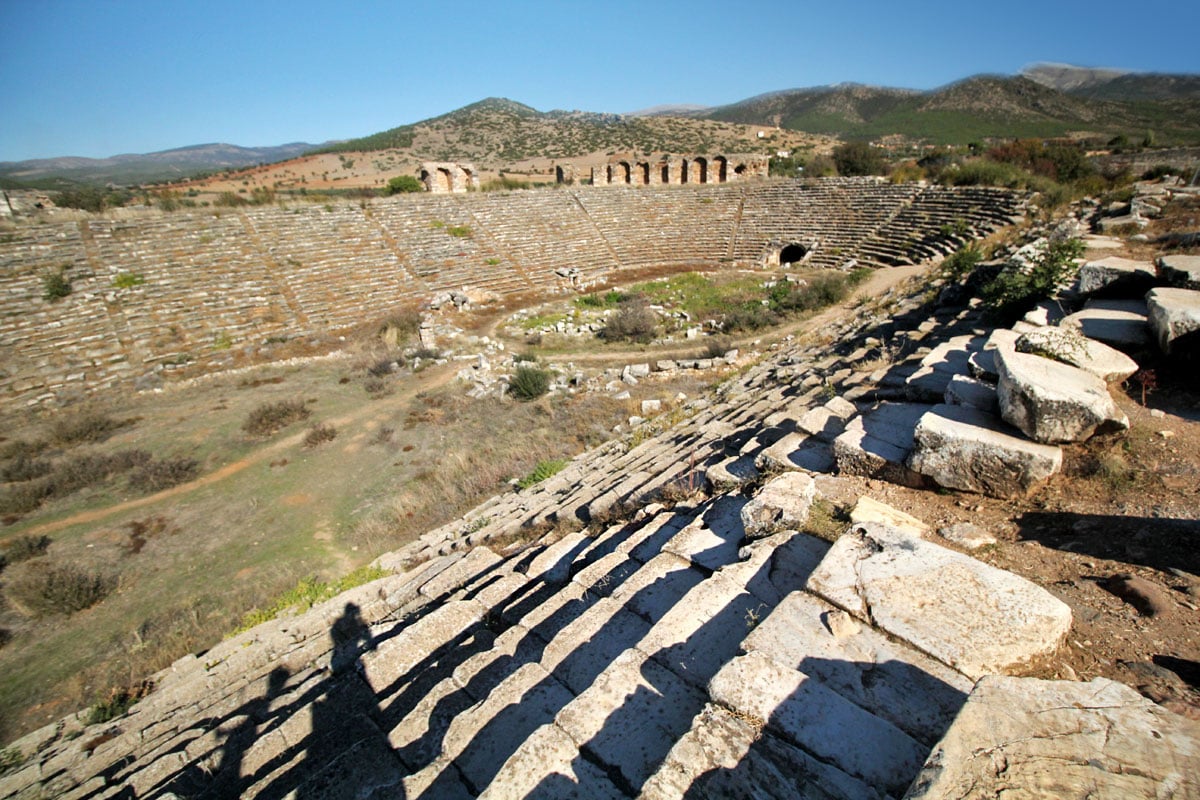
(101, 77)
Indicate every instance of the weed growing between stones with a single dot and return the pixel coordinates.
(544, 469)
(307, 593)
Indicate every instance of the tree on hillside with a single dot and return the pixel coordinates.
(401, 184)
(858, 158)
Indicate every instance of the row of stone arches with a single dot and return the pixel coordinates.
(440, 177)
(676, 170)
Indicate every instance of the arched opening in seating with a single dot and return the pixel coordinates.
(608, 173)
(683, 170)
(739, 170)
(444, 179)
(643, 171)
(468, 178)
(666, 173)
(559, 175)
(792, 253)
(624, 174)
(722, 168)
(700, 168)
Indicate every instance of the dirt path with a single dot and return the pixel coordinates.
(431, 379)
(879, 282)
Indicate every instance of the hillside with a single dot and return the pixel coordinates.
(985, 107)
(138, 168)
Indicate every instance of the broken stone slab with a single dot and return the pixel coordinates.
(960, 447)
(1071, 347)
(877, 443)
(1180, 271)
(1054, 402)
(1119, 323)
(796, 451)
(890, 679)
(1175, 319)
(1033, 738)
(817, 719)
(730, 474)
(725, 754)
(868, 509)
(783, 503)
(825, 422)
(982, 362)
(1125, 220)
(964, 391)
(963, 612)
(966, 534)
(1116, 275)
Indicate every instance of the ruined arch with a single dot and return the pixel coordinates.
(643, 173)
(739, 170)
(683, 170)
(700, 169)
(624, 173)
(666, 173)
(722, 168)
(792, 253)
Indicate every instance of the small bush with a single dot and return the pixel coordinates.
(858, 158)
(821, 291)
(749, 317)
(10, 759)
(117, 703)
(633, 321)
(25, 469)
(961, 264)
(459, 231)
(319, 434)
(55, 286)
(26, 547)
(272, 417)
(48, 589)
(163, 474)
(127, 280)
(402, 184)
(1013, 291)
(543, 470)
(375, 386)
(718, 346)
(529, 382)
(87, 425)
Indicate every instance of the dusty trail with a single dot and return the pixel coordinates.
(433, 378)
(880, 281)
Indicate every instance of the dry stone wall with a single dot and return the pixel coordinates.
(205, 289)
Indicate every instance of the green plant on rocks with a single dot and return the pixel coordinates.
(545, 469)
(529, 382)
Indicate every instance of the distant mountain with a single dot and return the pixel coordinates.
(988, 106)
(497, 131)
(675, 110)
(131, 168)
(1115, 84)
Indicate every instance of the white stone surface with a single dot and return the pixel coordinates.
(971, 616)
(960, 447)
(1120, 323)
(1022, 737)
(1116, 273)
(1069, 346)
(1054, 402)
(783, 503)
(1174, 313)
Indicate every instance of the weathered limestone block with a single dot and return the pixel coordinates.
(827, 421)
(732, 473)
(1180, 271)
(964, 391)
(782, 504)
(1023, 737)
(817, 719)
(726, 755)
(868, 509)
(1120, 323)
(877, 444)
(1071, 347)
(967, 614)
(1054, 402)
(796, 451)
(960, 447)
(1116, 274)
(548, 764)
(1175, 318)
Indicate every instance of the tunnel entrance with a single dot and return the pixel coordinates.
(792, 253)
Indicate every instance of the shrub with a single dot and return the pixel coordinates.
(117, 703)
(271, 417)
(529, 382)
(543, 470)
(820, 291)
(26, 547)
(632, 321)
(459, 231)
(55, 286)
(23, 468)
(163, 474)
(718, 346)
(402, 184)
(319, 434)
(87, 425)
(46, 589)
(749, 317)
(961, 263)
(127, 280)
(858, 158)
(10, 759)
(1011, 292)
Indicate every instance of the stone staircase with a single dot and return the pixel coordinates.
(691, 641)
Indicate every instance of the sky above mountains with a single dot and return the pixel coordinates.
(90, 78)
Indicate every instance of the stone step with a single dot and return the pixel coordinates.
(877, 443)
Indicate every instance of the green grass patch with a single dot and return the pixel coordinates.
(544, 469)
(307, 593)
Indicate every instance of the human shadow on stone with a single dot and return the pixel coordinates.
(344, 754)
